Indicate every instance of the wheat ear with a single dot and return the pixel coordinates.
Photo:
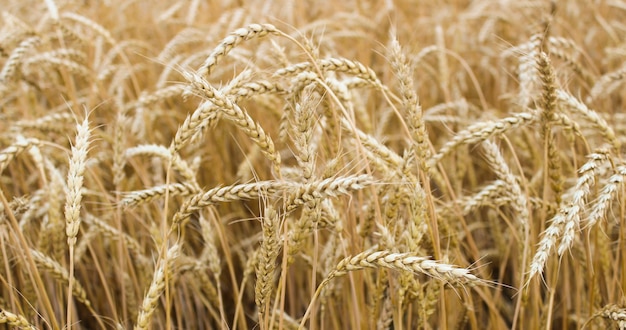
(75, 176)
(164, 267)
(482, 131)
(238, 36)
(74, 196)
(608, 192)
(60, 274)
(138, 197)
(404, 262)
(266, 266)
(237, 115)
(499, 166)
(410, 104)
(226, 194)
(9, 153)
(564, 223)
(17, 56)
(15, 320)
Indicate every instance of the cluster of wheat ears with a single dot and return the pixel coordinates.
(264, 164)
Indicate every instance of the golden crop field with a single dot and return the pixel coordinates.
(382, 164)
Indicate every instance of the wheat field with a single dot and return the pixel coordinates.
(392, 164)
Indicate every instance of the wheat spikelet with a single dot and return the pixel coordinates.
(298, 233)
(185, 37)
(257, 87)
(548, 100)
(548, 241)
(53, 235)
(548, 105)
(164, 266)
(571, 61)
(342, 65)
(303, 127)
(209, 255)
(119, 161)
(372, 144)
(385, 319)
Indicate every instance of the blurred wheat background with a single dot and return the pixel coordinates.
(312, 164)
